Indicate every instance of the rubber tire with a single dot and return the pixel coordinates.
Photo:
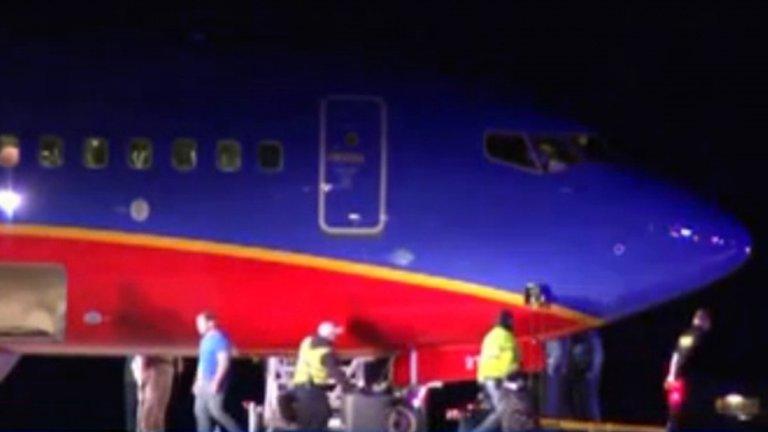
(402, 419)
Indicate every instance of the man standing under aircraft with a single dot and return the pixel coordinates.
(131, 393)
(499, 359)
(212, 376)
(554, 399)
(585, 364)
(317, 369)
(154, 380)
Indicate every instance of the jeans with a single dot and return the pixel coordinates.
(493, 389)
(583, 396)
(210, 405)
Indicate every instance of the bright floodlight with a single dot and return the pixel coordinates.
(9, 201)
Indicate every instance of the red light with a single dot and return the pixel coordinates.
(675, 393)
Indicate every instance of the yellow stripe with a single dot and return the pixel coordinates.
(289, 258)
(588, 426)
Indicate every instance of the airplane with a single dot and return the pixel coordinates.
(143, 185)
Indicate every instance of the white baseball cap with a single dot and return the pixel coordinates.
(329, 330)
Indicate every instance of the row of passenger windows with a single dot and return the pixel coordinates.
(140, 154)
(548, 153)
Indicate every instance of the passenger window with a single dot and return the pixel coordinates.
(140, 153)
(95, 153)
(509, 148)
(184, 157)
(50, 152)
(555, 154)
(10, 154)
(270, 156)
(228, 155)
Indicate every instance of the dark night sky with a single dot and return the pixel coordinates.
(681, 88)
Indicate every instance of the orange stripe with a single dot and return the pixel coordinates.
(289, 258)
(580, 425)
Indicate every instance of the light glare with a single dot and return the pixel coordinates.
(9, 201)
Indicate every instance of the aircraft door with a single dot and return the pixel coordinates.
(353, 161)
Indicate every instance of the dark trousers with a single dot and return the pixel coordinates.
(312, 408)
(210, 406)
(583, 397)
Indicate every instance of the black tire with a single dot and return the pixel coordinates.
(402, 419)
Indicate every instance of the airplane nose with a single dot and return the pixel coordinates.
(664, 242)
(689, 243)
(714, 239)
(677, 224)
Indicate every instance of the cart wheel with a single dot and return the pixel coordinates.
(402, 419)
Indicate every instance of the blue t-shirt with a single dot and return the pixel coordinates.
(212, 343)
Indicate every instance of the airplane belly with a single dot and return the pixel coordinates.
(131, 292)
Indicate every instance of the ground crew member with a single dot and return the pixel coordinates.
(212, 377)
(154, 380)
(538, 297)
(131, 393)
(317, 369)
(686, 344)
(555, 403)
(583, 375)
(499, 359)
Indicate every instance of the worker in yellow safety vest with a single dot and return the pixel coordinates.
(317, 372)
(499, 360)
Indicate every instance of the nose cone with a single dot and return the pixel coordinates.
(675, 243)
(660, 242)
(706, 240)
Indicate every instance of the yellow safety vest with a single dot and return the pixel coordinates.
(309, 366)
(498, 355)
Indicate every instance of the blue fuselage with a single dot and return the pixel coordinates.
(608, 239)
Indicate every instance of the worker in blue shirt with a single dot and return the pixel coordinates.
(212, 376)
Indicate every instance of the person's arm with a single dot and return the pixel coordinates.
(553, 349)
(331, 363)
(684, 345)
(198, 379)
(598, 354)
(222, 366)
(517, 352)
(674, 366)
(137, 369)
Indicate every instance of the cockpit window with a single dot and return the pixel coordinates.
(509, 148)
(554, 154)
(590, 146)
(50, 152)
(140, 153)
(95, 153)
(184, 157)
